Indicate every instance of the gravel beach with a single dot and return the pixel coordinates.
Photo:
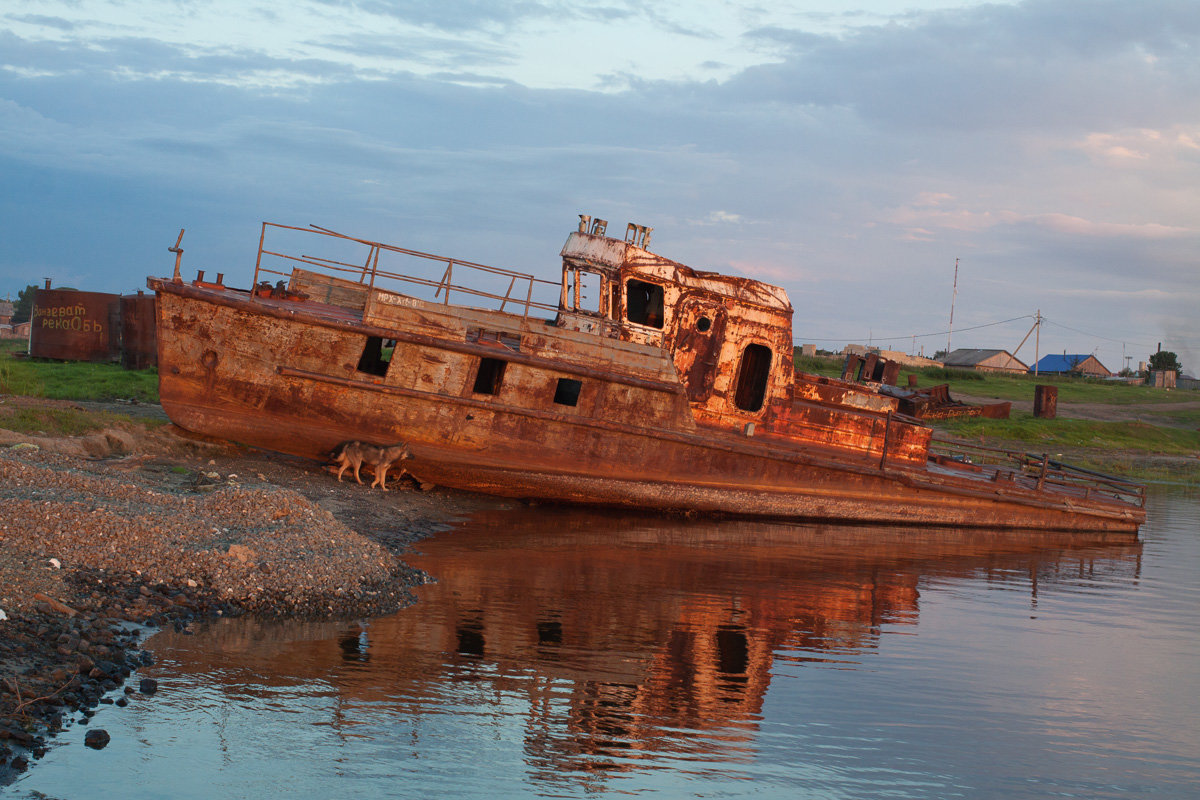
(108, 536)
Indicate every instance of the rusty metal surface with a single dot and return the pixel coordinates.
(605, 403)
(139, 344)
(935, 402)
(1045, 401)
(75, 326)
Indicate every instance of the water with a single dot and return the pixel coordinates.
(570, 654)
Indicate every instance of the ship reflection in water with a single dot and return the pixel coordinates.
(606, 645)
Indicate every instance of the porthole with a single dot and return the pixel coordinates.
(703, 324)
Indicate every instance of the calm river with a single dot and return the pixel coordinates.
(571, 654)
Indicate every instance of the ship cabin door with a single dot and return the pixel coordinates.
(699, 332)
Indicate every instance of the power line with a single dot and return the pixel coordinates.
(916, 335)
(1097, 336)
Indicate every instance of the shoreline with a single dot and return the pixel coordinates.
(108, 537)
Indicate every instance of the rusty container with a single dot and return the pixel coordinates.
(1045, 401)
(75, 326)
(139, 340)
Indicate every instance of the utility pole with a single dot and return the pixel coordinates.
(1037, 343)
(1037, 325)
(953, 297)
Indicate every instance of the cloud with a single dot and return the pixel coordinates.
(1061, 64)
(1052, 145)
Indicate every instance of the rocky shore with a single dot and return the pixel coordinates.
(105, 538)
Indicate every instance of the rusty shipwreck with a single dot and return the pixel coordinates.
(637, 382)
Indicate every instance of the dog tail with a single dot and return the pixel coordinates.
(333, 455)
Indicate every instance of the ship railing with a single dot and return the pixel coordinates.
(1038, 471)
(443, 276)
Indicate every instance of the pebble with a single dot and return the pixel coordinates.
(124, 549)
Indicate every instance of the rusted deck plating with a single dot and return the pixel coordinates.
(646, 384)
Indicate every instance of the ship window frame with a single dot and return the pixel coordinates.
(753, 377)
(489, 376)
(584, 290)
(567, 391)
(639, 309)
(374, 361)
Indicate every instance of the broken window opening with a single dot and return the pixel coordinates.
(753, 374)
(566, 393)
(376, 356)
(644, 303)
(585, 290)
(489, 375)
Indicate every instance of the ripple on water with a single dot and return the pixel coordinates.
(574, 654)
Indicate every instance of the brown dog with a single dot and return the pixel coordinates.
(353, 455)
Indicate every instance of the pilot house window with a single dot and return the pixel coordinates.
(644, 303)
(753, 374)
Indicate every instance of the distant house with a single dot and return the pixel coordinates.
(1072, 364)
(985, 361)
(6, 312)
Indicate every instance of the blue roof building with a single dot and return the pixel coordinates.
(1071, 364)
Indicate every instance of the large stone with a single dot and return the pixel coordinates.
(96, 738)
(242, 553)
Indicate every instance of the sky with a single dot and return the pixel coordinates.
(852, 153)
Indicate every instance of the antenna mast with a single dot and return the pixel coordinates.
(953, 297)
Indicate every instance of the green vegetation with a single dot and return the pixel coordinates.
(1021, 387)
(829, 366)
(70, 380)
(1132, 429)
(1057, 435)
(1165, 360)
(23, 307)
(57, 421)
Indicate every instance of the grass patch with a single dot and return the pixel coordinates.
(1051, 435)
(1135, 450)
(818, 365)
(1021, 387)
(57, 421)
(73, 380)
(1185, 418)
(944, 375)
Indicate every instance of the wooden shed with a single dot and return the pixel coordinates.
(985, 361)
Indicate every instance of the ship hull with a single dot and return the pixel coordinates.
(289, 379)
